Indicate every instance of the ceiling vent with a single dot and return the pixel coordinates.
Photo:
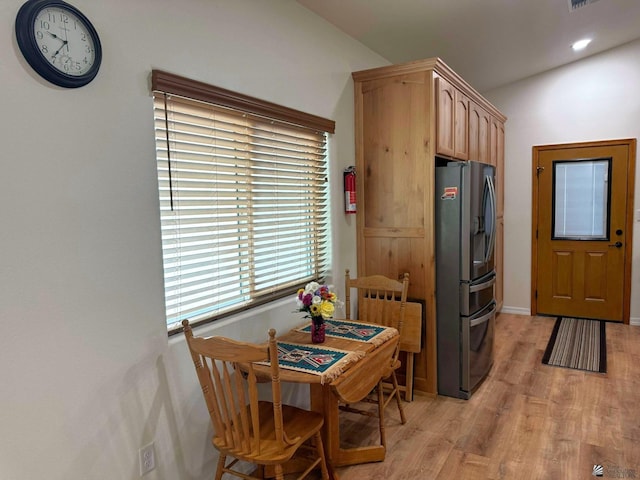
(576, 4)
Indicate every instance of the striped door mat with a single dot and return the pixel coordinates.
(577, 343)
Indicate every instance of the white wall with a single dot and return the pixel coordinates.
(593, 99)
(88, 374)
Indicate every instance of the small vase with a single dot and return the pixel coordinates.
(317, 329)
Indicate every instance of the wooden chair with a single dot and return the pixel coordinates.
(260, 432)
(381, 300)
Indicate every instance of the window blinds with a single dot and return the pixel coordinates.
(243, 205)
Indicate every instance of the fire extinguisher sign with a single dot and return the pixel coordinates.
(350, 190)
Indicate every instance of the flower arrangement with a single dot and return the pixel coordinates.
(317, 300)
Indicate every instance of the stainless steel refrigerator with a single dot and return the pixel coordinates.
(465, 277)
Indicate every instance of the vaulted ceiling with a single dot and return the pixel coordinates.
(488, 42)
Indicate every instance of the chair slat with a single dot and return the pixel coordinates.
(245, 436)
(211, 377)
(229, 407)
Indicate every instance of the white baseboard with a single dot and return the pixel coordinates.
(526, 311)
(516, 310)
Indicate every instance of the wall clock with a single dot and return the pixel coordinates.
(59, 42)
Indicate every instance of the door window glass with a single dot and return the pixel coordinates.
(581, 194)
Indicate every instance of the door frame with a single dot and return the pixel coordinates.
(628, 239)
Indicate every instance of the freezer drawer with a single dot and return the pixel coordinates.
(476, 295)
(477, 347)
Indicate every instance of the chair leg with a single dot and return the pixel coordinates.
(396, 392)
(383, 438)
(279, 472)
(320, 450)
(220, 470)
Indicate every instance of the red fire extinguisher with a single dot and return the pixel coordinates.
(350, 189)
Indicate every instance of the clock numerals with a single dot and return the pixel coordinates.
(59, 42)
(64, 42)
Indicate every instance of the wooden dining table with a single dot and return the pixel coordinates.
(351, 385)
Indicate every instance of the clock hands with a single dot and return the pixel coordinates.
(64, 42)
(58, 51)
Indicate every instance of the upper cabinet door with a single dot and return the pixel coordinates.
(452, 121)
(461, 122)
(445, 126)
(392, 152)
(500, 169)
(496, 150)
(479, 131)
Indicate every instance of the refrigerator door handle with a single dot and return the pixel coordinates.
(484, 318)
(494, 213)
(483, 285)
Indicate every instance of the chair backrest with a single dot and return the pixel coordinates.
(225, 369)
(381, 300)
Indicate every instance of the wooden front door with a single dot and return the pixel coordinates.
(582, 229)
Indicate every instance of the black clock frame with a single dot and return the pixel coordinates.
(25, 21)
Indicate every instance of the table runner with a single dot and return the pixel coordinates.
(327, 362)
(358, 331)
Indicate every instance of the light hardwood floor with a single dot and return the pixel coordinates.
(526, 421)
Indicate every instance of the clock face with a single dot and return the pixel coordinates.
(59, 42)
(64, 41)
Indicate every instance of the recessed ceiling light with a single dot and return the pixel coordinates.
(576, 4)
(581, 44)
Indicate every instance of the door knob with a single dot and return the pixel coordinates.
(617, 244)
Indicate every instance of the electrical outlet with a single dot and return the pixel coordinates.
(147, 459)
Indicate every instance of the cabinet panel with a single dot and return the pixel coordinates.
(500, 166)
(393, 256)
(452, 124)
(493, 142)
(461, 123)
(395, 146)
(497, 160)
(479, 132)
(474, 133)
(390, 253)
(445, 124)
(499, 262)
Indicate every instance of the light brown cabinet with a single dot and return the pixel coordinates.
(479, 134)
(496, 150)
(405, 116)
(452, 125)
(499, 263)
(497, 160)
